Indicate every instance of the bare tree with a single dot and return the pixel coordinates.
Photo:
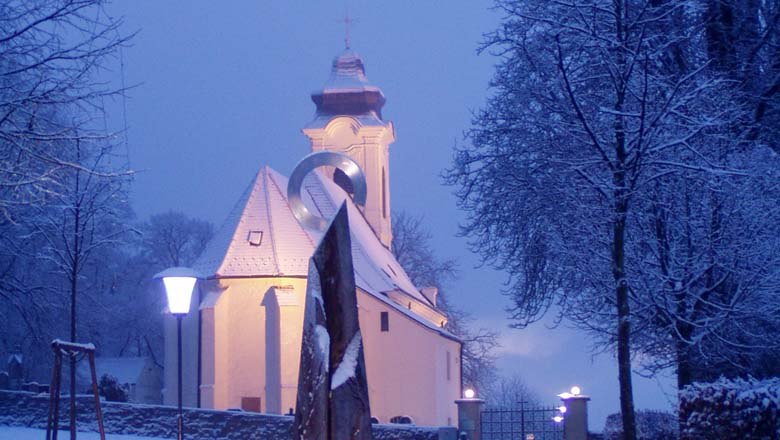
(168, 239)
(412, 248)
(173, 239)
(85, 214)
(53, 148)
(712, 270)
(51, 89)
(583, 121)
(743, 44)
(509, 392)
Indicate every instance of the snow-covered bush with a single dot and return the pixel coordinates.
(650, 425)
(731, 409)
(111, 390)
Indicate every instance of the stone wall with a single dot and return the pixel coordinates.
(18, 408)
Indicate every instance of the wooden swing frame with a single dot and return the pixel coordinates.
(70, 349)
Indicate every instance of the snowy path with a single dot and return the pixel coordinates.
(16, 433)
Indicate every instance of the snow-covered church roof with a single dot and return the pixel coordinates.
(348, 92)
(348, 74)
(262, 237)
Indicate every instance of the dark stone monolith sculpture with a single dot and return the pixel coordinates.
(332, 399)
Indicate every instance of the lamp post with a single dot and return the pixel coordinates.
(179, 283)
(469, 414)
(574, 414)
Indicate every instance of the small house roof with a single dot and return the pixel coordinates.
(126, 370)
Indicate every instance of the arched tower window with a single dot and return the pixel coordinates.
(384, 195)
(343, 181)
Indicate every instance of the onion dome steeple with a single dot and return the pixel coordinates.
(348, 91)
(349, 121)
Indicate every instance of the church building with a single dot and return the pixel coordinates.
(242, 337)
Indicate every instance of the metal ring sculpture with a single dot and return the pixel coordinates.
(309, 164)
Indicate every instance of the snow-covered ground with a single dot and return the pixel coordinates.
(15, 433)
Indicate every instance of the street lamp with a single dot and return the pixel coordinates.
(574, 392)
(179, 283)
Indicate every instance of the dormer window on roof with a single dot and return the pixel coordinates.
(255, 238)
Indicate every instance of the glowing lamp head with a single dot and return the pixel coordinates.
(558, 419)
(179, 283)
(575, 390)
(469, 393)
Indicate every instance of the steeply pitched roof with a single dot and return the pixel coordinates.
(262, 237)
(279, 246)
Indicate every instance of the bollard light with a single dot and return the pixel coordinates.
(575, 390)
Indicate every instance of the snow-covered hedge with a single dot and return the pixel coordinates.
(731, 409)
(650, 425)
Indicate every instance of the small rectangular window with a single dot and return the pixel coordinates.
(255, 238)
(384, 323)
(449, 374)
(251, 404)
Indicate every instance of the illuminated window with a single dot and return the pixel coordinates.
(384, 322)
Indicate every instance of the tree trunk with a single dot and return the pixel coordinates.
(684, 377)
(72, 365)
(621, 288)
(621, 195)
(624, 331)
(74, 287)
(684, 373)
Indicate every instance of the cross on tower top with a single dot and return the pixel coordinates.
(348, 21)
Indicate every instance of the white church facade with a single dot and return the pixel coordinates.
(242, 337)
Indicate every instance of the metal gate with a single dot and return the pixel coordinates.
(521, 424)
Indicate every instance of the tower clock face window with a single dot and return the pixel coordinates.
(343, 181)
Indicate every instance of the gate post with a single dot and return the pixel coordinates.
(469, 416)
(575, 419)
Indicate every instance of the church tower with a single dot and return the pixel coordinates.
(349, 120)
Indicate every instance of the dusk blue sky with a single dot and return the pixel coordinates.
(224, 87)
